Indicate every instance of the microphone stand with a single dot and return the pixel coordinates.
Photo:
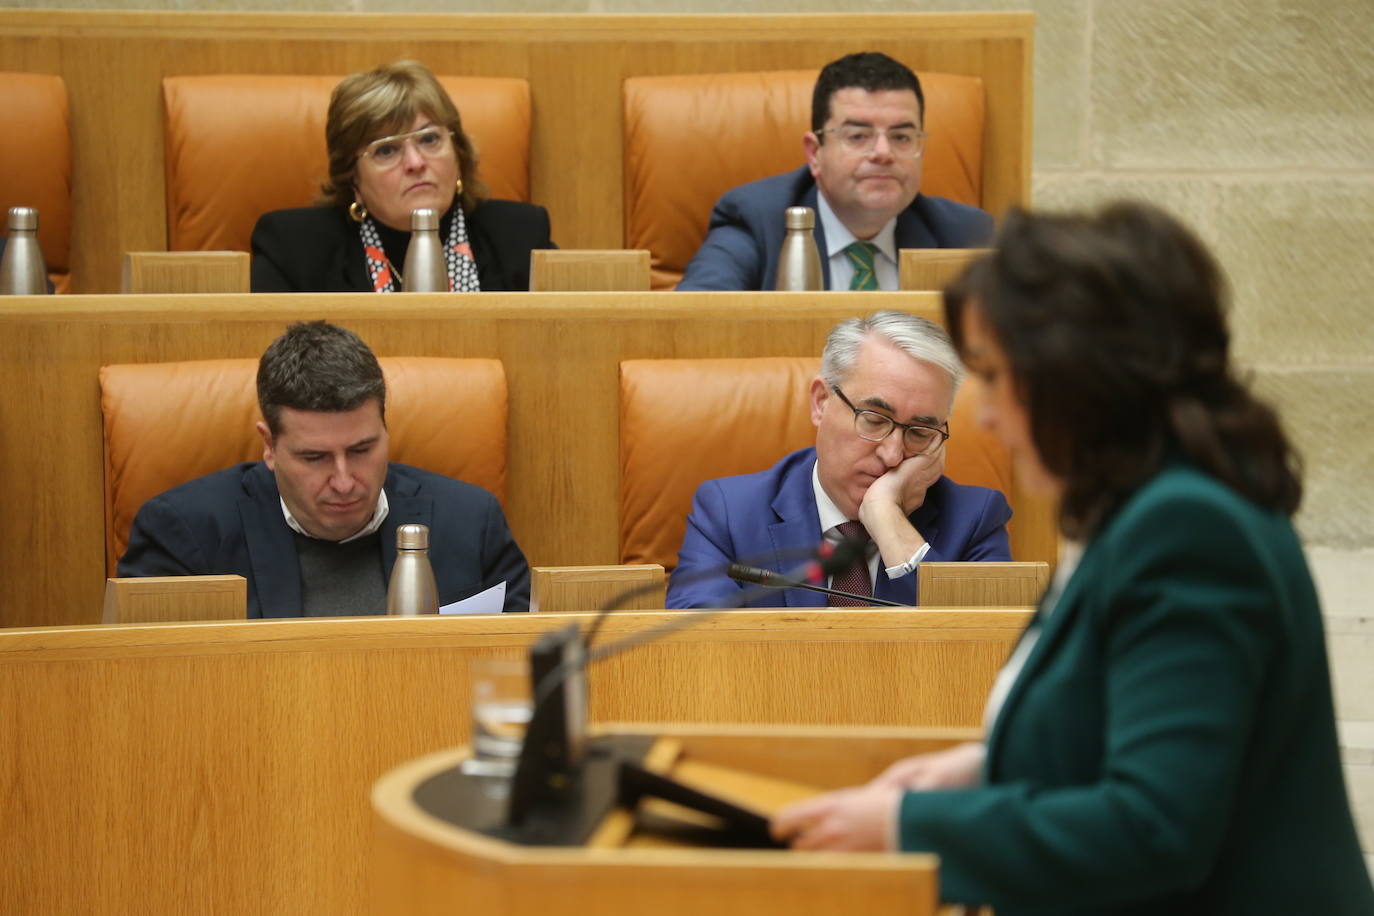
(769, 579)
(555, 781)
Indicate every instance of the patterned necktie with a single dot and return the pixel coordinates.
(861, 254)
(855, 579)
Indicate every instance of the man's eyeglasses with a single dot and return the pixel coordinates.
(917, 438)
(908, 142)
(387, 152)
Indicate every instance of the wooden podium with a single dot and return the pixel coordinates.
(427, 861)
(225, 767)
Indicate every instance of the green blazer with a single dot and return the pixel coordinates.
(1170, 745)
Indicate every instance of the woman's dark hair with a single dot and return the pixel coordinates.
(1115, 331)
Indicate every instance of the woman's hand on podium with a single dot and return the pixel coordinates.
(861, 819)
(865, 818)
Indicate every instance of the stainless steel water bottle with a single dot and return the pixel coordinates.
(412, 591)
(425, 270)
(22, 271)
(799, 264)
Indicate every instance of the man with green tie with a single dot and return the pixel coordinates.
(862, 178)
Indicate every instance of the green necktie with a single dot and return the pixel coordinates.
(861, 254)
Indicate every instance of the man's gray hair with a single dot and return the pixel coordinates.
(919, 338)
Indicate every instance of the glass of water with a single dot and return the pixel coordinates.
(500, 714)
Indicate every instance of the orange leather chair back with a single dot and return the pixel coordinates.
(240, 145)
(167, 423)
(685, 421)
(36, 149)
(689, 139)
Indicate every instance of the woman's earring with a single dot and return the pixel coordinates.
(458, 188)
(357, 211)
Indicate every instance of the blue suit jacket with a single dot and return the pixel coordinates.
(231, 522)
(770, 520)
(747, 229)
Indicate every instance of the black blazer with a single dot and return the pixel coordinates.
(231, 522)
(318, 250)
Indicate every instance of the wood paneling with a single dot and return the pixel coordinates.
(113, 63)
(934, 268)
(563, 271)
(225, 767)
(561, 353)
(185, 272)
(164, 599)
(983, 584)
(636, 587)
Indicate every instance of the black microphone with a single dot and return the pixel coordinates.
(766, 577)
(825, 560)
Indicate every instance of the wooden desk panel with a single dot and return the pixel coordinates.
(561, 353)
(226, 767)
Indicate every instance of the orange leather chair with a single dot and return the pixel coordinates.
(36, 149)
(689, 139)
(240, 145)
(167, 423)
(685, 421)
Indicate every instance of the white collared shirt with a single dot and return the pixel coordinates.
(831, 519)
(1070, 552)
(378, 516)
(838, 238)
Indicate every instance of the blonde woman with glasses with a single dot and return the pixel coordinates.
(396, 144)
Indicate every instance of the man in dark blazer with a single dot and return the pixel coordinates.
(881, 408)
(862, 179)
(312, 527)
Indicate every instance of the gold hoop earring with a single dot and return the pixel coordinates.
(357, 211)
(458, 188)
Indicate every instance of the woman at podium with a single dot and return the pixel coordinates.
(1162, 739)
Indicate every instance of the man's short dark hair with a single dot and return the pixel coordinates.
(318, 366)
(870, 71)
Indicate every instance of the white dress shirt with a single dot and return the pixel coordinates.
(1070, 552)
(378, 516)
(838, 238)
(831, 519)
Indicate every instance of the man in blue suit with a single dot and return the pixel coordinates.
(862, 179)
(312, 526)
(881, 407)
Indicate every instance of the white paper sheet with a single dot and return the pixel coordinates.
(491, 601)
